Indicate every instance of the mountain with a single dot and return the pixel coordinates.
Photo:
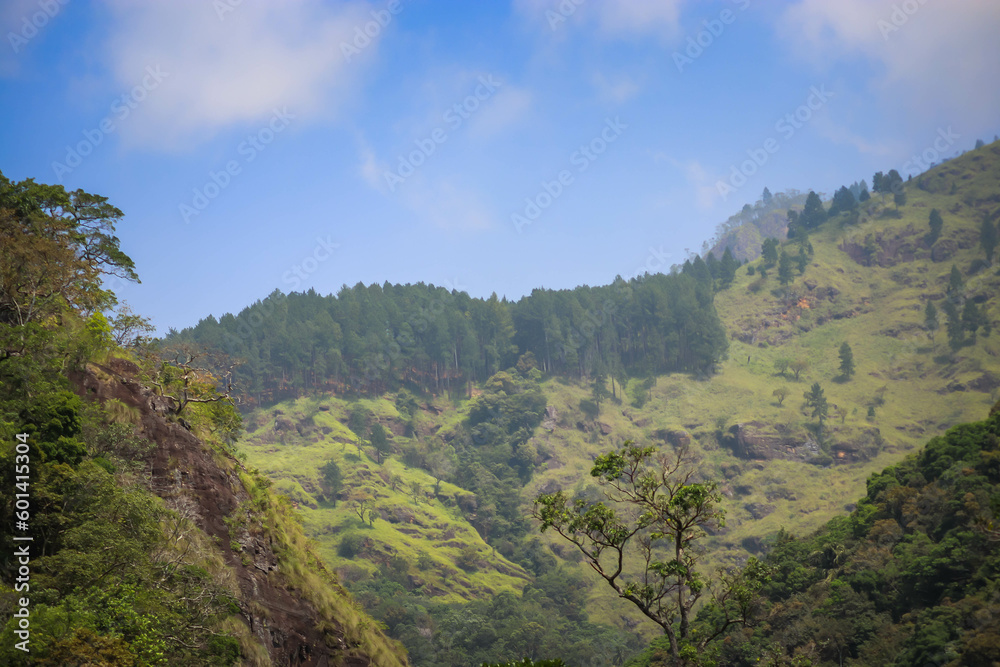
(910, 577)
(862, 277)
(409, 429)
(132, 534)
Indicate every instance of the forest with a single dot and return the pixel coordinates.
(378, 338)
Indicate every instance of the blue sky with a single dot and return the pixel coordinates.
(484, 146)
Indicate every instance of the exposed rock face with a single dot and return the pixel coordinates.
(756, 441)
(675, 437)
(184, 471)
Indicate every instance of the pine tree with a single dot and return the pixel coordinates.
(954, 326)
(727, 269)
(931, 319)
(816, 400)
(988, 238)
(813, 213)
(379, 441)
(769, 251)
(936, 223)
(846, 361)
(955, 284)
(785, 268)
(972, 318)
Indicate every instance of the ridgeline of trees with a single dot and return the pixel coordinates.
(376, 338)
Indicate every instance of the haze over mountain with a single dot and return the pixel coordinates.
(545, 333)
(313, 208)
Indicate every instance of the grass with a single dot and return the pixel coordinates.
(878, 311)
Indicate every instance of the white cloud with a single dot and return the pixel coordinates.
(507, 106)
(936, 65)
(447, 205)
(613, 19)
(233, 67)
(22, 24)
(617, 91)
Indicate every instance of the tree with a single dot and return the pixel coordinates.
(599, 389)
(798, 366)
(727, 269)
(842, 412)
(128, 328)
(781, 365)
(816, 400)
(972, 318)
(864, 196)
(357, 421)
(843, 201)
(893, 182)
(56, 248)
(361, 503)
(936, 224)
(955, 283)
(785, 268)
(769, 251)
(801, 262)
(331, 480)
(878, 185)
(931, 319)
(766, 197)
(416, 490)
(380, 441)
(988, 237)
(395, 481)
(954, 325)
(846, 361)
(813, 213)
(656, 505)
(780, 393)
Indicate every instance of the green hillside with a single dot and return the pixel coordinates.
(865, 280)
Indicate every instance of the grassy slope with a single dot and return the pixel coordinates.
(890, 350)
(428, 526)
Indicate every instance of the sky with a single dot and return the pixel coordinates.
(482, 146)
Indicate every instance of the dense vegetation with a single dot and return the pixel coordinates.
(428, 339)
(115, 571)
(911, 577)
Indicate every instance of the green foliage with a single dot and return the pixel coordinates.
(846, 361)
(988, 236)
(657, 512)
(379, 440)
(931, 317)
(785, 268)
(813, 214)
(843, 202)
(331, 480)
(936, 224)
(906, 579)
